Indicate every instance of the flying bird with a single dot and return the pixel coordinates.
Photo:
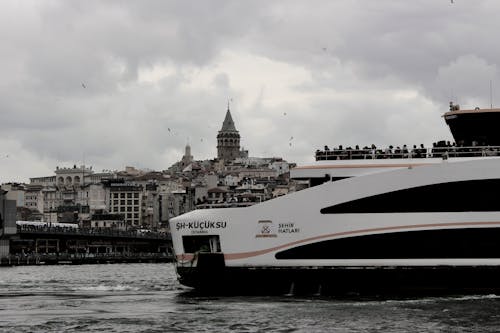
(83, 85)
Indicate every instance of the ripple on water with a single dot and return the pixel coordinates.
(148, 298)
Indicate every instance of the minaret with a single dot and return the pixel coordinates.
(228, 139)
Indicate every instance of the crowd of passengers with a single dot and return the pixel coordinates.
(91, 231)
(440, 149)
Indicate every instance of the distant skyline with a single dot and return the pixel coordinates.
(117, 83)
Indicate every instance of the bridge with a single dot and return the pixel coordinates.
(59, 245)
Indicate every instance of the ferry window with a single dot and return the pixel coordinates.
(205, 243)
(327, 178)
(422, 244)
(463, 196)
(315, 181)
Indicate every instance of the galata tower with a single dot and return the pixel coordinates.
(228, 139)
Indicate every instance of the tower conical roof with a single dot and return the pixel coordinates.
(228, 124)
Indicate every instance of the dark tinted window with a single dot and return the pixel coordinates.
(427, 244)
(463, 196)
(203, 243)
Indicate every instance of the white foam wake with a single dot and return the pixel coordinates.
(103, 287)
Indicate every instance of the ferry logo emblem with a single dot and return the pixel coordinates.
(265, 229)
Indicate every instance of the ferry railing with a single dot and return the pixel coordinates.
(434, 152)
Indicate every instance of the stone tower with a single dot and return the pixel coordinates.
(228, 139)
(187, 158)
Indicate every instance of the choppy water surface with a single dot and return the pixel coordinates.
(147, 298)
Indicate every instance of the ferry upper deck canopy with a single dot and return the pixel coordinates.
(476, 127)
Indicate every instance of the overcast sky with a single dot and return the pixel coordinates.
(130, 83)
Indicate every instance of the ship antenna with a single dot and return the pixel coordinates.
(491, 96)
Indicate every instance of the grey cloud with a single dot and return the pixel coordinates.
(359, 56)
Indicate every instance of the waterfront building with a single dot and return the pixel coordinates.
(33, 198)
(280, 167)
(108, 221)
(257, 173)
(72, 176)
(178, 202)
(125, 198)
(257, 190)
(7, 215)
(218, 195)
(94, 196)
(7, 222)
(232, 180)
(98, 177)
(43, 181)
(75, 176)
(15, 191)
(50, 199)
(150, 209)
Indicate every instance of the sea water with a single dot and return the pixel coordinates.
(148, 298)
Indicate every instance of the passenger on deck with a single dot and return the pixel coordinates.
(388, 152)
(405, 151)
(397, 152)
(423, 151)
(415, 152)
(356, 154)
(373, 151)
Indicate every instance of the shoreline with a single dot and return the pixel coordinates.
(83, 259)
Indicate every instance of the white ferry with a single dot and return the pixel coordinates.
(399, 220)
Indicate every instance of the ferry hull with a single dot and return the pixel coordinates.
(342, 281)
(426, 229)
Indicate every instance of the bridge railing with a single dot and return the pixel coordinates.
(101, 232)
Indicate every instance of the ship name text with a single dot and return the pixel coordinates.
(201, 225)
